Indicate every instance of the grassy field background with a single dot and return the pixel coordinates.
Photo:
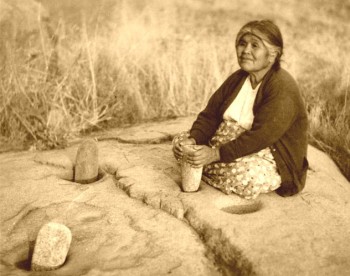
(85, 65)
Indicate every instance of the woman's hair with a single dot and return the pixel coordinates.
(270, 35)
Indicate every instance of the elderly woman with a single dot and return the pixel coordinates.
(252, 135)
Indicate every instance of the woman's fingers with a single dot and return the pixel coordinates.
(197, 159)
(202, 156)
(177, 148)
(192, 162)
(177, 151)
(178, 154)
(186, 142)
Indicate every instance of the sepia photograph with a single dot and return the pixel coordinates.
(174, 137)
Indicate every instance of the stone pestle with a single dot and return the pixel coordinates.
(86, 164)
(51, 247)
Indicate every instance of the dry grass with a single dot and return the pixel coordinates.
(139, 61)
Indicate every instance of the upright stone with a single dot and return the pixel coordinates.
(51, 247)
(86, 164)
(191, 176)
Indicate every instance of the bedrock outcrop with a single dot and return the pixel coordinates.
(135, 220)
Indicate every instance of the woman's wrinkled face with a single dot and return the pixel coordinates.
(252, 54)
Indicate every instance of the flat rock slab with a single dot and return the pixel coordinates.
(112, 234)
(121, 224)
(146, 133)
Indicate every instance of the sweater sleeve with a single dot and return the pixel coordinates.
(209, 119)
(272, 119)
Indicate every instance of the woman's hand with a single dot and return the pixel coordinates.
(177, 148)
(203, 156)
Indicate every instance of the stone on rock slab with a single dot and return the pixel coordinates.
(51, 247)
(86, 164)
(191, 177)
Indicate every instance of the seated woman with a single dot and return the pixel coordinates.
(253, 131)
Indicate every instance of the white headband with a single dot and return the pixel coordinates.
(247, 30)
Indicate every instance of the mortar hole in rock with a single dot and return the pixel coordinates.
(247, 208)
(24, 264)
(101, 176)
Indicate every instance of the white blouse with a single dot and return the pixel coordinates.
(241, 109)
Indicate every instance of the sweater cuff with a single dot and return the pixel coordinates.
(288, 188)
(228, 153)
(198, 136)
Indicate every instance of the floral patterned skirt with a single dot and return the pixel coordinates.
(247, 176)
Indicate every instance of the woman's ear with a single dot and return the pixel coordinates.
(272, 57)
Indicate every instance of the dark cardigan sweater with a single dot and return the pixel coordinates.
(280, 123)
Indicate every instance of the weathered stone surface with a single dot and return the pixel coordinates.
(148, 133)
(51, 247)
(302, 235)
(86, 164)
(113, 234)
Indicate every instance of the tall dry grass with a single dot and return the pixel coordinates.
(138, 61)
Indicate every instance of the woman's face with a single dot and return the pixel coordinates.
(252, 54)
